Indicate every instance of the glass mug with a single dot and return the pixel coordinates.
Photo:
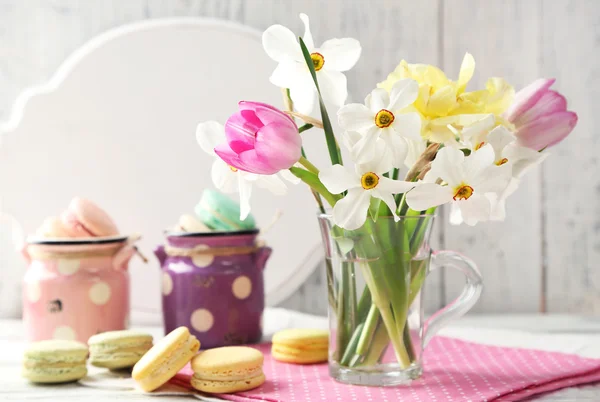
(375, 277)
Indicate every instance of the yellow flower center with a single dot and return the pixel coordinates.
(233, 169)
(478, 146)
(501, 161)
(463, 192)
(369, 181)
(318, 60)
(384, 118)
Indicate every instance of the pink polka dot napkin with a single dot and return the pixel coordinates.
(455, 370)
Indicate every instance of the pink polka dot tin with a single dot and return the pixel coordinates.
(74, 289)
(213, 284)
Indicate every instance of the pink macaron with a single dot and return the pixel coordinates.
(83, 218)
(53, 228)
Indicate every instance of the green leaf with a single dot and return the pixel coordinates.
(313, 181)
(334, 149)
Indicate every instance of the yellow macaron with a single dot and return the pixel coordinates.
(55, 361)
(118, 349)
(228, 369)
(165, 359)
(300, 345)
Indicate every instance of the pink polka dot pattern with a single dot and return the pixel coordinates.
(454, 371)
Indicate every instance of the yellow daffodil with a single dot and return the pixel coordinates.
(442, 101)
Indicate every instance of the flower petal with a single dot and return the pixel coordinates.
(467, 68)
(210, 134)
(408, 125)
(523, 158)
(378, 99)
(281, 44)
(272, 183)
(307, 37)
(340, 54)
(547, 130)
(403, 93)
(278, 144)
(350, 212)
(527, 97)
(231, 158)
(245, 188)
(338, 179)
(397, 147)
(446, 166)
(493, 179)
(499, 138)
(476, 209)
(304, 98)
(442, 101)
(333, 86)
(240, 130)
(475, 163)
(223, 177)
(391, 186)
(550, 102)
(267, 114)
(355, 117)
(364, 151)
(291, 74)
(289, 176)
(388, 198)
(428, 195)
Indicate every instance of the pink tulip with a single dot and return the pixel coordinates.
(540, 115)
(260, 139)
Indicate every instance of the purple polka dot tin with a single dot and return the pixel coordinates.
(213, 284)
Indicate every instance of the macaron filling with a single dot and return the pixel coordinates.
(170, 359)
(229, 375)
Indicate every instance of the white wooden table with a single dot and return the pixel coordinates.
(570, 334)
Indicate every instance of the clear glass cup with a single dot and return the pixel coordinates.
(375, 278)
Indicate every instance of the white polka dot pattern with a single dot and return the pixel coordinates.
(33, 291)
(167, 284)
(202, 320)
(64, 332)
(454, 371)
(203, 260)
(99, 293)
(241, 287)
(68, 267)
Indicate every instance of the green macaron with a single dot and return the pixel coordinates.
(118, 349)
(55, 361)
(220, 212)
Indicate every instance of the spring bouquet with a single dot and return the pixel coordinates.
(419, 140)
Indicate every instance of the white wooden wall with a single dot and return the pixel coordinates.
(546, 256)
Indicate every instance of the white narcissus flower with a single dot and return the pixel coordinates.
(362, 183)
(229, 179)
(467, 181)
(330, 60)
(380, 118)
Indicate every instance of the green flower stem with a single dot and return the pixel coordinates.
(333, 147)
(345, 361)
(304, 127)
(380, 342)
(309, 166)
(313, 181)
(366, 336)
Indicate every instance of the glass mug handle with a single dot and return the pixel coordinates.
(463, 303)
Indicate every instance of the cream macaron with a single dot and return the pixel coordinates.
(300, 345)
(55, 361)
(118, 349)
(165, 359)
(228, 369)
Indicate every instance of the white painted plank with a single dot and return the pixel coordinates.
(503, 38)
(571, 49)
